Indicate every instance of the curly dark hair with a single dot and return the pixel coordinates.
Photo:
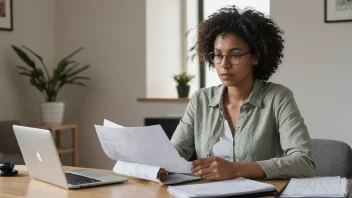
(261, 34)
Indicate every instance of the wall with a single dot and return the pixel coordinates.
(317, 66)
(34, 26)
(113, 34)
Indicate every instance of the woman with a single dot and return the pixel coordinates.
(246, 127)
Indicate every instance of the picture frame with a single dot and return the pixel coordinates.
(338, 11)
(6, 15)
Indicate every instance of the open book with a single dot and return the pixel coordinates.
(142, 151)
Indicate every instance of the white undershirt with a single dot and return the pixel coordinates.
(222, 147)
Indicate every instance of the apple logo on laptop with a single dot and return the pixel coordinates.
(38, 156)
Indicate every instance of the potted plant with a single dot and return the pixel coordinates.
(66, 72)
(182, 80)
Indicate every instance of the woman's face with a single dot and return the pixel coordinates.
(233, 69)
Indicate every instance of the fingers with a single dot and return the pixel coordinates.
(211, 176)
(203, 160)
(161, 170)
(164, 176)
(200, 167)
(204, 171)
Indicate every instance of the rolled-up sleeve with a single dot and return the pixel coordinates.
(183, 137)
(298, 160)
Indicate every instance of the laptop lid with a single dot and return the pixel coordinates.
(40, 155)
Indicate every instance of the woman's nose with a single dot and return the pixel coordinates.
(225, 63)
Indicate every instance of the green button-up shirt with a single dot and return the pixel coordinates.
(270, 130)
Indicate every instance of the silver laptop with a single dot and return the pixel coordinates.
(43, 162)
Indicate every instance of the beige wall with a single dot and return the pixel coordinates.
(34, 26)
(317, 66)
(114, 36)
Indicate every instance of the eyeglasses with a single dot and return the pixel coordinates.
(233, 58)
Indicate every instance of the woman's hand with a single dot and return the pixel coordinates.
(215, 168)
(162, 174)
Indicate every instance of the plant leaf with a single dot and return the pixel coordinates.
(73, 53)
(79, 83)
(78, 71)
(41, 60)
(23, 68)
(35, 54)
(79, 78)
(24, 56)
(25, 74)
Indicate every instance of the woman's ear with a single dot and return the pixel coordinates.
(255, 59)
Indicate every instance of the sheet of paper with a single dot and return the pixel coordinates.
(144, 145)
(108, 123)
(237, 186)
(137, 170)
(316, 187)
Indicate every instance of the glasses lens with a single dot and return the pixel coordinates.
(234, 59)
(211, 57)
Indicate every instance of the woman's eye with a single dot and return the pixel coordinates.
(234, 55)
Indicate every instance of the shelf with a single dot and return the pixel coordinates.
(163, 99)
(65, 150)
(56, 127)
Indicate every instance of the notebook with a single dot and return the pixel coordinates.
(236, 187)
(316, 187)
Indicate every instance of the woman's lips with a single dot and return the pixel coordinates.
(226, 76)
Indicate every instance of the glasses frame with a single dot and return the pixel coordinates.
(227, 58)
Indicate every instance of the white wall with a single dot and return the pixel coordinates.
(317, 66)
(164, 47)
(34, 26)
(113, 34)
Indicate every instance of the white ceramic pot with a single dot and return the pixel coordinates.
(52, 113)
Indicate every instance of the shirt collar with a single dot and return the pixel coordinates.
(255, 98)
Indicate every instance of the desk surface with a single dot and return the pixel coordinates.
(23, 186)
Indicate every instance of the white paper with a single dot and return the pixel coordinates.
(239, 186)
(108, 123)
(316, 187)
(144, 145)
(137, 170)
(149, 173)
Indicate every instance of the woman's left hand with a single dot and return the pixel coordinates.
(215, 168)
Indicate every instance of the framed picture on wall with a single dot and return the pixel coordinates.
(6, 22)
(338, 11)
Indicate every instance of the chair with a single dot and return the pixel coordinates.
(333, 158)
(9, 149)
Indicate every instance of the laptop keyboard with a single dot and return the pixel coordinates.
(75, 179)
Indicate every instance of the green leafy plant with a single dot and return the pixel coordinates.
(183, 79)
(66, 72)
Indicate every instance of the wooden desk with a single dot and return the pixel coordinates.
(23, 186)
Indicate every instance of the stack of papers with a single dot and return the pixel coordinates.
(316, 187)
(239, 186)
